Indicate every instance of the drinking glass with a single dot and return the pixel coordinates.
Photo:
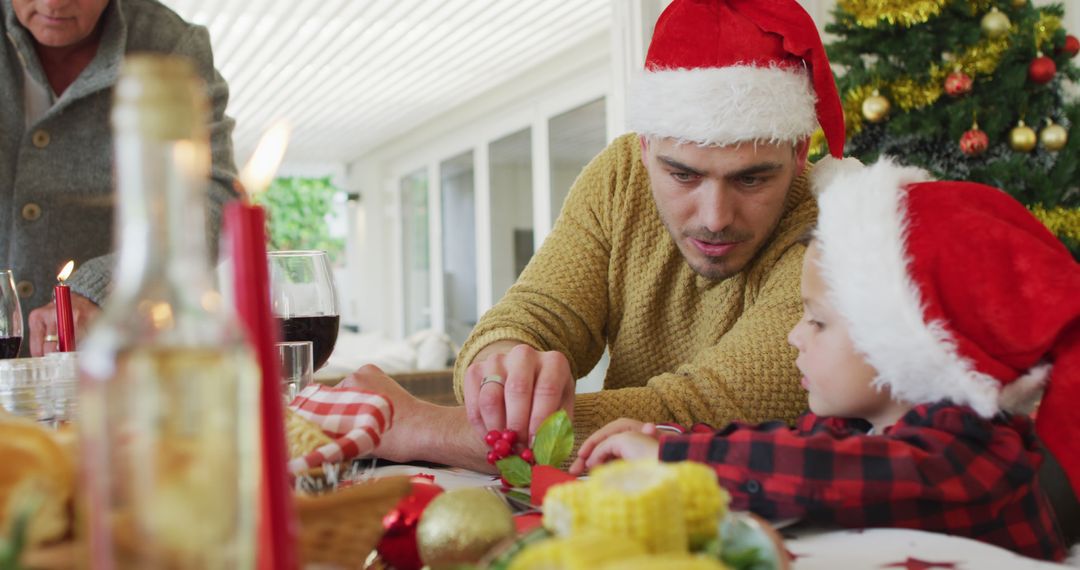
(295, 362)
(303, 300)
(11, 317)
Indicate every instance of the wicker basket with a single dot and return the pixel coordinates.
(342, 528)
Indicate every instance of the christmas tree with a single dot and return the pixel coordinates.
(968, 89)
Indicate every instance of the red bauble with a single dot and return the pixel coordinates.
(1071, 47)
(398, 545)
(1042, 69)
(974, 142)
(958, 83)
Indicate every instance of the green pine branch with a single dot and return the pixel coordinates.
(929, 136)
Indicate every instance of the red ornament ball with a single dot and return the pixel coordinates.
(974, 142)
(398, 545)
(958, 83)
(1071, 47)
(1042, 70)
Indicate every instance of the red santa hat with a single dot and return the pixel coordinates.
(953, 290)
(720, 72)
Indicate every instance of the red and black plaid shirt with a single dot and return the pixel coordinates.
(940, 468)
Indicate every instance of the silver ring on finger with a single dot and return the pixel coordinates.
(492, 379)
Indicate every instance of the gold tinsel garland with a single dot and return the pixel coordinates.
(910, 94)
(1062, 222)
(906, 13)
(1045, 28)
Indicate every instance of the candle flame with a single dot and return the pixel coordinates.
(264, 162)
(66, 271)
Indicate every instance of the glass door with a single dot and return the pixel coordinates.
(415, 251)
(574, 138)
(459, 245)
(510, 165)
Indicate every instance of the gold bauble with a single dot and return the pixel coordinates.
(1022, 138)
(875, 107)
(460, 526)
(1019, 3)
(1053, 137)
(995, 24)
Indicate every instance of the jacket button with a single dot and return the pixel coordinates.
(31, 212)
(25, 289)
(753, 487)
(41, 138)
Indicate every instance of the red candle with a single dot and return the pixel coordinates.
(65, 320)
(245, 230)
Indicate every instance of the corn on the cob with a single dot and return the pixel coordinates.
(583, 551)
(639, 500)
(666, 562)
(704, 502)
(566, 509)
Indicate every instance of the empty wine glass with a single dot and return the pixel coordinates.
(303, 300)
(11, 317)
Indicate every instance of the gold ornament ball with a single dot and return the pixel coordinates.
(460, 526)
(1053, 137)
(995, 24)
(875, 108)
(1022, 138)
(1019, 3)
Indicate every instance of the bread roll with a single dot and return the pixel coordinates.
(303, 435)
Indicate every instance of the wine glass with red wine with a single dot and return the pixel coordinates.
(303, 300)
(11, 317)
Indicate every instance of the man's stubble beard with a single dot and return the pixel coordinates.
(721, 271)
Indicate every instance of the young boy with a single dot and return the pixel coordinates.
(931, 310)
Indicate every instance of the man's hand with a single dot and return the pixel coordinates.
(623, 438)
(421, 431)
(43, 323)
(524, 387)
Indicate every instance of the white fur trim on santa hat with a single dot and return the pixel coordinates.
(724, 105)
(829, 168)
(862, 231)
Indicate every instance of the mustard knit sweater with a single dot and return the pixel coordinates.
(683, 348)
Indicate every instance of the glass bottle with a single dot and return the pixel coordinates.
(168, 387)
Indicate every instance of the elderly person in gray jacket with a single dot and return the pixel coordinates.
(59, 61)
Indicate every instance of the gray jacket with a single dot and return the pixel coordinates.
(56, 184)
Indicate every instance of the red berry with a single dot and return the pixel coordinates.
(509, 436)
(527, 455)
(501, 448)
(505, 483)
(492, 457)
(491, 437)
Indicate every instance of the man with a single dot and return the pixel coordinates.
(677, 249)
(58, 64)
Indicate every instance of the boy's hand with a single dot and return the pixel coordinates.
(590, 448)
(625, 445)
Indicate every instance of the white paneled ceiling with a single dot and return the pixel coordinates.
(351, 74)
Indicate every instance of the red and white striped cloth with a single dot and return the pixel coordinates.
(354, 418)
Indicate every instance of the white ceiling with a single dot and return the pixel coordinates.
(350, 74)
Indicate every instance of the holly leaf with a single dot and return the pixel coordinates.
(515, 470)
(554, 440)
